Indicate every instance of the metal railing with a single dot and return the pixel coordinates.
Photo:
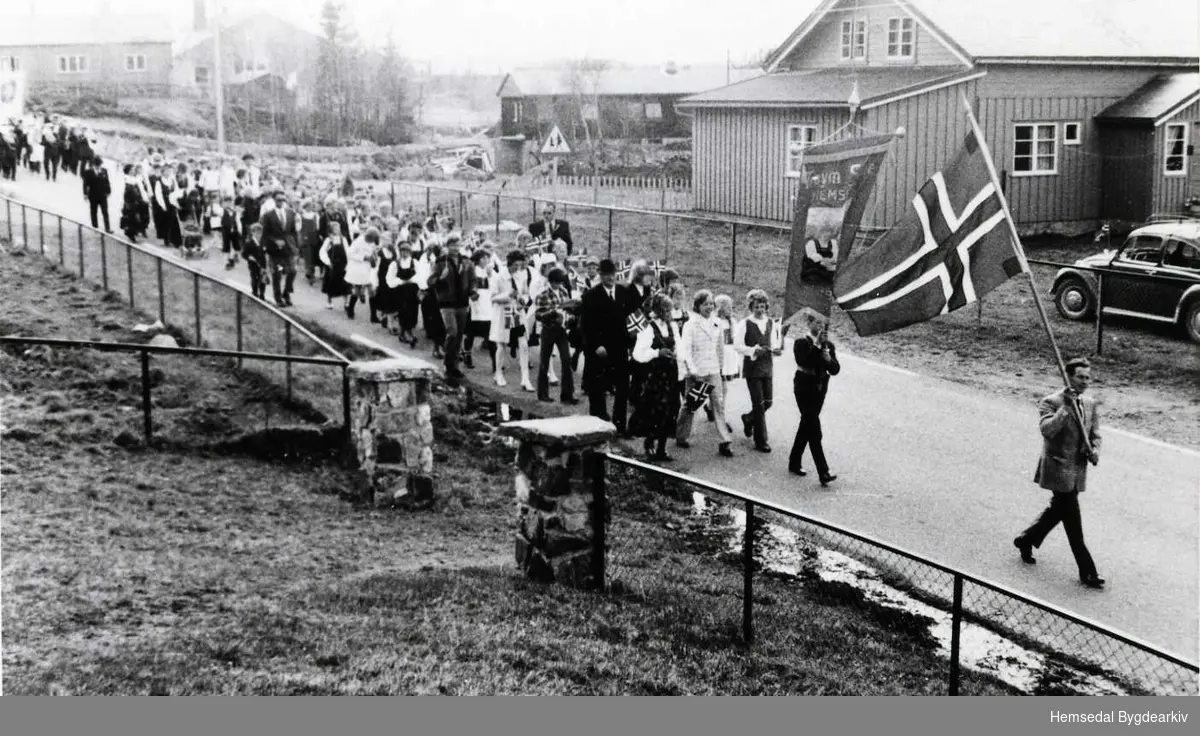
(979, 626)
(205, 312)
(145, 351)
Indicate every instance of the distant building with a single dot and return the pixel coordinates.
(69, 51)
(634, 102)
(1091, 109)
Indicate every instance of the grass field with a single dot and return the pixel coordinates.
(211, 566)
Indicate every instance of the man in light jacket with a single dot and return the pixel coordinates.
(701, 351)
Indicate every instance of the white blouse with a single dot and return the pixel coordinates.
(643, 349)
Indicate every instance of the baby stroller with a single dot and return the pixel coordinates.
(193, 241)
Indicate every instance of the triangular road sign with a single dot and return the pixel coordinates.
(556, 143)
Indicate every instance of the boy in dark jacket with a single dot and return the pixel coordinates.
(231, 231)
(256, 258)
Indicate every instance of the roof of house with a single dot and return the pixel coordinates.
(829, 87)
(194, 38)
(1156, 100)
(1094, 30)
(85, 30)
(686, 80)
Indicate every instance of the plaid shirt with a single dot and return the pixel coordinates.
(549, 304)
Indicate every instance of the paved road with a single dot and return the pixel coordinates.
(938, 469)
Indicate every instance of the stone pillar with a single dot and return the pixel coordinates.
(392, 430)
(560, 506)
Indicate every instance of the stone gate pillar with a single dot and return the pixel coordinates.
(560, 502)
(392, 430)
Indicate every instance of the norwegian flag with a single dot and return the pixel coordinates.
(540, 245)
(635, 323)
(659, 267)
(624, 269)
(950, 250)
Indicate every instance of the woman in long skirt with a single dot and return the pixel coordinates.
(431, 313)
(404, 277)
(385, 296)
(333, 277)
(480, 323)
(655, 415)
(360, 268)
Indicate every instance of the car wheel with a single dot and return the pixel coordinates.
(1191, 320)
(1074, 299)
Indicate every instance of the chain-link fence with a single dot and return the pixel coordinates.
(199, 310)
(725, 568)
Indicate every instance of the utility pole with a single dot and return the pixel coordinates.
(218, 84)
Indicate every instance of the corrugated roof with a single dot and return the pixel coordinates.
(687, 80)
(80, 30)
(1156, 98)
(825, 86)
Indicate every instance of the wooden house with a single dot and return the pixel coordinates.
(1089, 106)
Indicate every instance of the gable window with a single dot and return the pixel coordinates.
(1175, 155)
(1035, 149)
(135, 62)
(72, 64)
(854, 39)
(10, 63)
(517, 110)
(901, 38)
(799, 137)
(201, 75)
(654, 110)
(1072, 134)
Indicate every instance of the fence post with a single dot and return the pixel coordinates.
(1099, 312)
(60, 235)
(497, 218)
(128, 270)
(599, 521)
(733, 254)
(428, 209)
(393, 195)
(345, 403)
(238, 319)
(8, 219)
(462, 209)
(81, 258)
(146, 394)
(103, 260)
(610, 228)
(955, 633)
(667, 237)
(748, 576)
(24, 228)
(287, 349)
(196, 303)
(533, 206)
(62, 251)
(162, 298)
(41, 234)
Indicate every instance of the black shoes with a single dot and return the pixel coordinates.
(683, 443)
(763, 448)
(1026, 551)
(724, 450)
(797, 471)
(1095, 582)
(571, 401)
(827, 479)
(747, 427)
(455, 374)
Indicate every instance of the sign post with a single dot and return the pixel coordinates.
(555, 147)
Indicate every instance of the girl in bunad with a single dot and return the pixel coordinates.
(642, 284)
(731, 361)
(383, 303)
(503, 318)
(333, 276)
(655, 415)
(431, 314)
(678, 317)
(142, 179)
(130, 207)
(404, 277)
(481, 308)
(521, 281)
(360, 268)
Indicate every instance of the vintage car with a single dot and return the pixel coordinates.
(1154, 275)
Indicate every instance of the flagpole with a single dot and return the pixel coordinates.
(1020, 253)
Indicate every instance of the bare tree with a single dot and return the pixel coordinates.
(584, 78)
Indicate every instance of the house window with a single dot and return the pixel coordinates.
(1176, 154)
(201, 75)
(10, 63)
(901, 38)
(1072, 134)
(135, 62)
(854, 39)
(1035, 149)
(799, 137)
(654, 110)
(72, 64)
(516, 111)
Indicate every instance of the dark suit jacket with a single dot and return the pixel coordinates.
(602, 321)
(279, 231)
(96, 186)
(324, 222)
(1063, 465)
(453, 288)
(812, 370)
(559, 230)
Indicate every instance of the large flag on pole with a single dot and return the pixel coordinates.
(836, 181)
(12, 95)
(953, 247)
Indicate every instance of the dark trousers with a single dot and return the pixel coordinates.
(1064, 507)
(761, 398)
(101, 205)
(455, 320)
(51, 165)
(283, 268)
(257, 287)
(555, 336)
(810, 398)
(601, 374)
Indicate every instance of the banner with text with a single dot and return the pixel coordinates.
(12, 95)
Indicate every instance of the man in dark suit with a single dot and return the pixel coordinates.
(602, 315)
(1070, 428)
(280, 235)
(453, 282)
(816, 361)
(548, 227)
(97, 188)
